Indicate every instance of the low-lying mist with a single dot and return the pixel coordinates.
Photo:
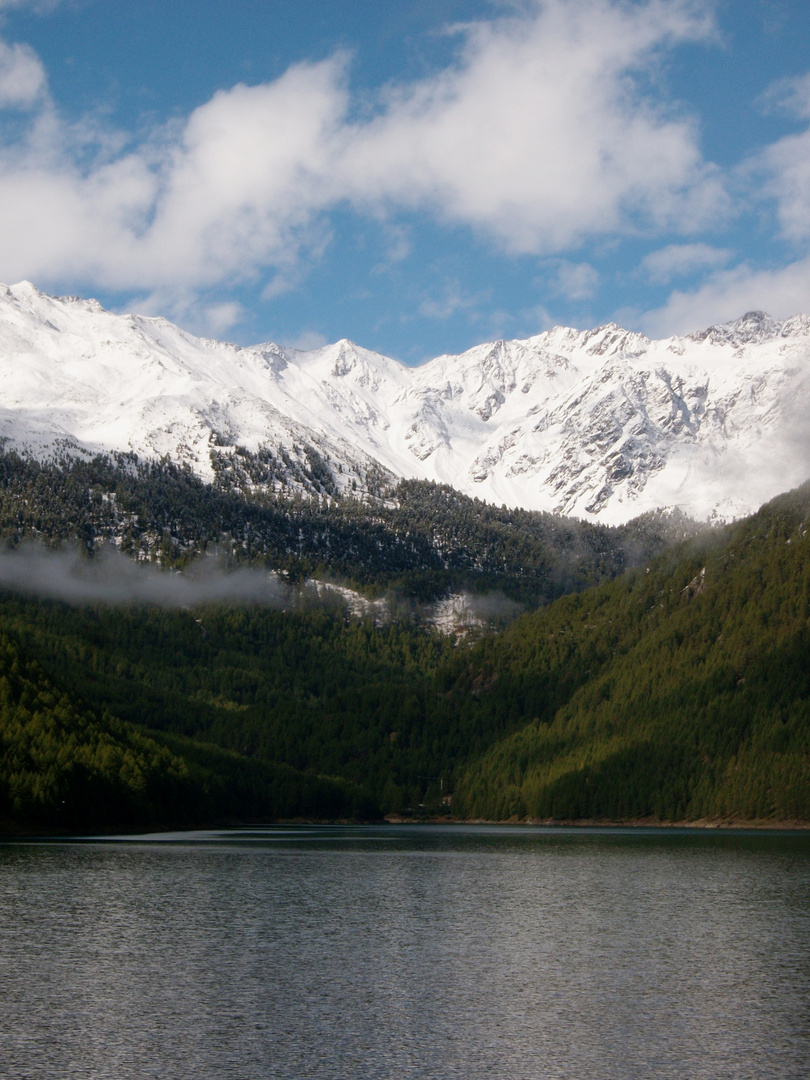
(111, 578)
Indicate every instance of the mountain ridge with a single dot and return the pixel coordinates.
(678, 692)
(603, 424)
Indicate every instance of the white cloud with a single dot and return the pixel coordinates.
(730, 293)
(538, 136)
(576, 281)
(679, 260)
(39, 6)
(791, 95)
(277, 286)
(251, 167)
(787, 164)
(221, 317)
(782, 172)
(306, 341)
(235, 190)
(398, 246)
(22, 76)
(195, 312)
(449, 303)
(535, 320)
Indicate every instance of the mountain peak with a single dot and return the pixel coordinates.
(602, 422)
(25, 288)
(753, 327)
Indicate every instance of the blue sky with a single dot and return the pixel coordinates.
(415, 176)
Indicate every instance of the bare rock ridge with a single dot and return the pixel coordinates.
(603, 423)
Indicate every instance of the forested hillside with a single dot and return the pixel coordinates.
(315, 690)
(681, 691)
(678, 691)
(65, 766)
(421, 540)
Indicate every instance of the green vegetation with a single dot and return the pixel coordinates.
(677, 694)
(678, 691)
(66, 767)
(310, 690)
(422, 540)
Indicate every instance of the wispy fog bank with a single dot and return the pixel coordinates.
(462, 612)
(113, 578)
(117, 580)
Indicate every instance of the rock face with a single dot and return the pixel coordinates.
(603, 424)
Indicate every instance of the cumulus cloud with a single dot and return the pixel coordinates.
(678, 260)
(786, 163)
(221, 317)
(727, 294)
(450, 303)
(782, 174)
(538, 135)
(791, 95)
(233, 190)
(41, 7)
(22, 77)
(398, 246)
(250, 168)
(576, 281)
(306, 341)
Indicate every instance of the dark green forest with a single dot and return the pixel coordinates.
(692, 698)
(419, 539)
(67, 767)
(676, 690)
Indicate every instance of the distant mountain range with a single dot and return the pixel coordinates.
(602, 424)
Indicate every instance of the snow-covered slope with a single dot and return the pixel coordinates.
(595, 423)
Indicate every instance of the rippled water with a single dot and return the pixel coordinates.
(407, 952)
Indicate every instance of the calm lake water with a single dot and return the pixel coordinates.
(393, 952)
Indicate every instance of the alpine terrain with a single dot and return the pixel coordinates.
(602, 424)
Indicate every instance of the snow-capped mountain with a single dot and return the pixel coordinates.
(602, 423)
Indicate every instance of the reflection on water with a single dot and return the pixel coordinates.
(432, 952)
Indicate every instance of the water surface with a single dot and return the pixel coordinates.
(429, 952)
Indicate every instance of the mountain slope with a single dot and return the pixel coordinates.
(64, 767)
(677, 692)
(424, 542)
(603, 424)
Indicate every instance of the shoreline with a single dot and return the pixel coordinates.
(703, 824)
(730, 824)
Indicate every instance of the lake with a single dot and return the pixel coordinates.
(407, 951)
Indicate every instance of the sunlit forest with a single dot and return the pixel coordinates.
(675, 690)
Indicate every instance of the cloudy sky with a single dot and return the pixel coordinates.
(417, 175)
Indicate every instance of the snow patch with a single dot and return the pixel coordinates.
(604, 424)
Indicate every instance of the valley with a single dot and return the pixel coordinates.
(253, 584)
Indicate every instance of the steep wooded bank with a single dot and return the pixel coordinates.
(421, 541)
(678, 691)
(694, 688)
(64, 766)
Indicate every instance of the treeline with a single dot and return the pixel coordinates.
(421, 540)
